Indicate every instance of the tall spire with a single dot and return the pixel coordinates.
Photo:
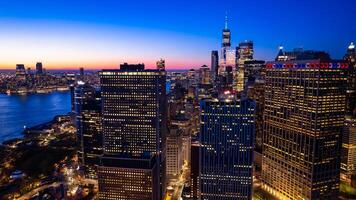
(225, 20)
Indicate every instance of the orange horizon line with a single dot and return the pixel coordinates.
(186, 68)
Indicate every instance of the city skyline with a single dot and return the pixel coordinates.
(93, 35)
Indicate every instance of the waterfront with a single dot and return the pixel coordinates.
(18, 111)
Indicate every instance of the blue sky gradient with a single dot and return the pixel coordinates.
(95, 34)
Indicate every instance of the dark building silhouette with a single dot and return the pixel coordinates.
(81, 71)
(134, 128)
(214, 65)
(195, 171)
(89, 129)
(39, 68)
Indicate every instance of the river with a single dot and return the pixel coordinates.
(19, 111)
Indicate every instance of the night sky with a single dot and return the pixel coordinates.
(105, 33)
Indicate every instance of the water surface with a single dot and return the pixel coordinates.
(19, 111)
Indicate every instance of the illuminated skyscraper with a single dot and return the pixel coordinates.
(244, 54)
(20, 71)
(348, 161)
(134, 129)
(204, 75)
(245, 51)
(227, 55)
(226, 152)
(303, 121)
(89, 131)
(174, 154)
(214, 65)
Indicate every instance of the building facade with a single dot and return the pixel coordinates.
(134, 131)
(89, 129)
(226, 152)
(303, 120)
(214, 65)
(348, 161)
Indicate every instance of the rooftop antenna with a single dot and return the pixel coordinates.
(225, 19)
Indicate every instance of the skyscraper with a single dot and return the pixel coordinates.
(226, 52)
(226, 152)
(245, 51)
(174, 154)
(244, 54)
(303, 121)
(39, 68)
(204, 75)
(214, 65)
(348, 159)
(134, 129)
(161, 64)
(20, 71)
(81, 71)
(89, 131)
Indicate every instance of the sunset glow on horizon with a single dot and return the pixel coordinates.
(96, 35)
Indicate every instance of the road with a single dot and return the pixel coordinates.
(179, 185)
(35, 191)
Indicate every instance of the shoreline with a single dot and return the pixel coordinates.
(36, 91)
(33, 131)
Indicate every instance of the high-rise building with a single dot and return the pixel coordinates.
(247, 73)
(161, 64)
(174, 156)
(303, 121)
(214, 65)
(245, 51)
(204, 75)
(227, 55)
(348, 159)
(195, 171)
(81, 71)
(89, 131)
(256, 93)
(20, 71)
(39, 68)
(244, 54)
(134, 129)
(226, 152)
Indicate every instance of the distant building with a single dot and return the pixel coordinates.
(247, 73)
(20, 71)
(204, 73)
(89, 129)
(226, 152)
(134, 129)
(214, 65)
(81, 71)
(303, 121)
(301, 54)
(227, 55)
(245, 51)
(39, 68)
(161, 64)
